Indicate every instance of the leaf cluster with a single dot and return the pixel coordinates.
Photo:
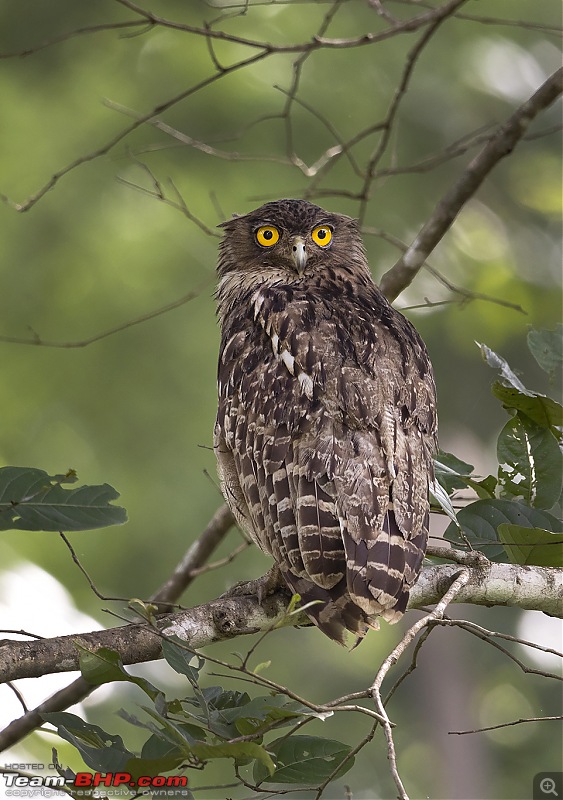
(209, 723)
(517, 516)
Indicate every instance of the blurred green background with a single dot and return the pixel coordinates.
(136, 409)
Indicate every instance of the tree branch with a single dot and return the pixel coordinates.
(531, 588)
(538, 588)
(185, 572)
(500, 144)
(195, 557)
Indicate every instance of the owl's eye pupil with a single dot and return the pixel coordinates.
(322, 235)
(267, 235)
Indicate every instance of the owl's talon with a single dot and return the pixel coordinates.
(260, 587)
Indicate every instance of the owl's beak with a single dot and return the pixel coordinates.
(299, 254)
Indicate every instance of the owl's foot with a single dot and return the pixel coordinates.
(260, 587)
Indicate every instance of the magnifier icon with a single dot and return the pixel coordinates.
(547, 786)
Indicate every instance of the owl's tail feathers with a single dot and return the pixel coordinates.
(381, 570)
(332, 610)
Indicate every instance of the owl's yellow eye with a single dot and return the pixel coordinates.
(267, 235)
(322, 235)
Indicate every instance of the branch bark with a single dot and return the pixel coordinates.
(539, 588)
(501, 143)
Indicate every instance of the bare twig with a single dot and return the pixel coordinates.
(412, 57)
(195, 558)
(222, 562)
(505, 725)
(501, 143)
(37, 341)
(19, 695)
(111, 143)
(85, 573)
(64, 37)
(489, 637)
(473, 558)
(465, 295)
(459, 582)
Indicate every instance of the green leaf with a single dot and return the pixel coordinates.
(158, 747)
(181, 660)
(133, 720)
(101, 751)
(261, 712)
(237, 750)
(32, 500)
(453, 473)
(177, 733)
(514, 396)
(509, 378)
(547, 348)
(215, 703)
(486, 487)
(448, 469)
(480, 521)
(104, 752)
(541, 409)
(530, 463)
(532, 545)
(304, 759)
(440, 499)
(105, 665)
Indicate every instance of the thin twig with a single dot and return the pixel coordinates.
(505, 725)
(500, 144)
(411, 60)
(460, 581)
(85, 573)
(37, 341)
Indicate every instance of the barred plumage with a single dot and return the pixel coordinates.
(326, 422)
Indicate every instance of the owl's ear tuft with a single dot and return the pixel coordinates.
(230, 221)
(351, 222)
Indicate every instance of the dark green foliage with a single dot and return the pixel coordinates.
(206, 724)
(305, 759)
(32, 500)
(479, 522)
(531, 545)
(547, 348)
(517, 514)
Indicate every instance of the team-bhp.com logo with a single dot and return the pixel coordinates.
(36, 785)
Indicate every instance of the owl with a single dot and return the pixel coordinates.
(326, 422)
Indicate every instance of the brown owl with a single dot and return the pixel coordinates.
(326, 423)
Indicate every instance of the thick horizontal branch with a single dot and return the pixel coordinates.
(538, 588)
(531, 588)
(500, 144)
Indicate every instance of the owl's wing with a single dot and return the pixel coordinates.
(324, 439)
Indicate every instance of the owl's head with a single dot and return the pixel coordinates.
(289, 239)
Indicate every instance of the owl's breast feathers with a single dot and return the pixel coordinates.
(324, 438)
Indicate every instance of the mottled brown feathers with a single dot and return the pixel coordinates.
(326, 421)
